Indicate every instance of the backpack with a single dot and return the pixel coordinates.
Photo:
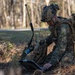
(71, 22)
(72, 25)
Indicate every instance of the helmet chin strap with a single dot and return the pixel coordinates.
(52, 22)
(54, 19)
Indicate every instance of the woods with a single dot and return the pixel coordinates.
(13, 13)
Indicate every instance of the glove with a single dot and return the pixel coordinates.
(47, 66)
(42, 42)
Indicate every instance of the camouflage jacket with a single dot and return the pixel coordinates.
(63, 42)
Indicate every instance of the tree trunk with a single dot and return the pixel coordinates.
(73, 6)
(69, 10)
(32, 16)
(5, 14)
(63, 8)
(47, 2)
(24, 13)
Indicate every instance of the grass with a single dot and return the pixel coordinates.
(22, 36)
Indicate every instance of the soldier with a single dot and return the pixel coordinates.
(60, 34)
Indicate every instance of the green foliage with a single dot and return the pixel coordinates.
(9, 45)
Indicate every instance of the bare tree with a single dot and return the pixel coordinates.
(69, 7)
(24, 13)
(73, 6)
(47, 2)
(13, 13)
(32, 12)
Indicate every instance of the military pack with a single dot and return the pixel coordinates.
(73, 30)
(71, 22)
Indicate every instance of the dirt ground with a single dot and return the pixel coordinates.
(9, 65)
(8, 69)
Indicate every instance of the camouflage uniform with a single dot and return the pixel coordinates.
(60, 33)
(63, 47)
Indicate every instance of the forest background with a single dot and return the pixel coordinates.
(14, 36)
(13, 13)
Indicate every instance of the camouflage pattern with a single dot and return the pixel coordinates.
(38, 54)
(49, 12)
(63, 50)
(64, 46)
(60, 31)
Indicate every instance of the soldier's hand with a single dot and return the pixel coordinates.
(47, 66)
(42, 42)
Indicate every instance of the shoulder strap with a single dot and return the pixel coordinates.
(71, 23)
(73, 31)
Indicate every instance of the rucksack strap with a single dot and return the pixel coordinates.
(73, 32)
(70, 22)
(74, 49)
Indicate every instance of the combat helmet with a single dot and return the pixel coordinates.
(49, 12)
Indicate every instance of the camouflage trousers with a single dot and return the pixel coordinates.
(40, 56)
